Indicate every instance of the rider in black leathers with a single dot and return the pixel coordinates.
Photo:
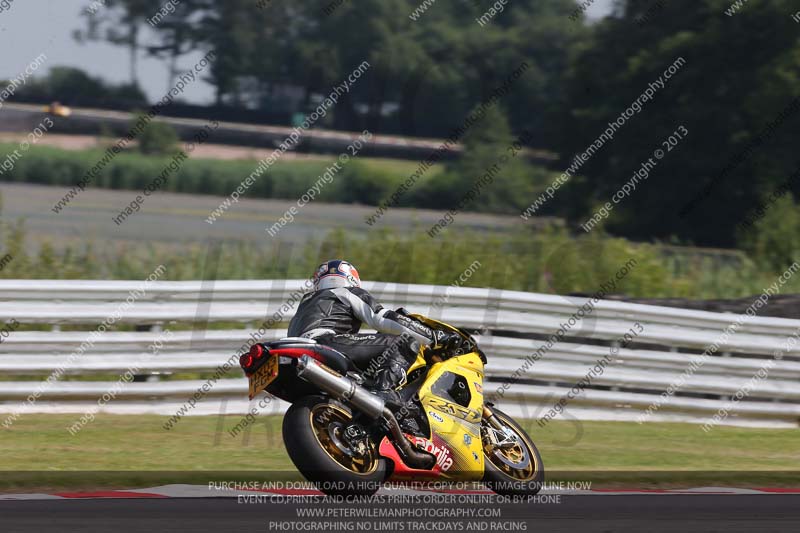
(333, 313)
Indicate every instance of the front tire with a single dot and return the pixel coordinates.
(313, 434)
(515, 470)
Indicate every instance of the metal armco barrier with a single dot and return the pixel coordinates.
(509, 325)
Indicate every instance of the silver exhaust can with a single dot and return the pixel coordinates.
(340, 387)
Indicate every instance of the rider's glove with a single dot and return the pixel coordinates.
(444, 340)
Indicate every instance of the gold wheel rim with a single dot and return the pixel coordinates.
(326, 416)
(515, 454)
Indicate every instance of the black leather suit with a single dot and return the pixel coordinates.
(334, 317)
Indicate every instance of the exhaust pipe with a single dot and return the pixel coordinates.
(414, 457)
(340, 387)
(349, 391)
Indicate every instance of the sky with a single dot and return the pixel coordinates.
(31, 27)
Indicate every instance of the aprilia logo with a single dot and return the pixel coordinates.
(442, 453)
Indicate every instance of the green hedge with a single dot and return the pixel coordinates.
(52, 166)
(368, 182)
(356, 182)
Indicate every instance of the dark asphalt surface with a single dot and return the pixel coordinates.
(639, 513)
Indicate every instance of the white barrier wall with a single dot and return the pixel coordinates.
(510, 326)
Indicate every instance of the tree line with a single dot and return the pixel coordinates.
(736, 92)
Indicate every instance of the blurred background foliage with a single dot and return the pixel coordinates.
(548, 261)
(736, 94)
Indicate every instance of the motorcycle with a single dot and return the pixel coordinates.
(345, 440)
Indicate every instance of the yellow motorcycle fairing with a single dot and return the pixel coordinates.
(452, 397)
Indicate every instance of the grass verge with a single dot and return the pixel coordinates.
(126, 451)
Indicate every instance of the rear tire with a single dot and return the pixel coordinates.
(516, 471)
(312, 431)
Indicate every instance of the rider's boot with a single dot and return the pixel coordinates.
(386, 381)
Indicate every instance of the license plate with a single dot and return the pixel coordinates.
(263, 376)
